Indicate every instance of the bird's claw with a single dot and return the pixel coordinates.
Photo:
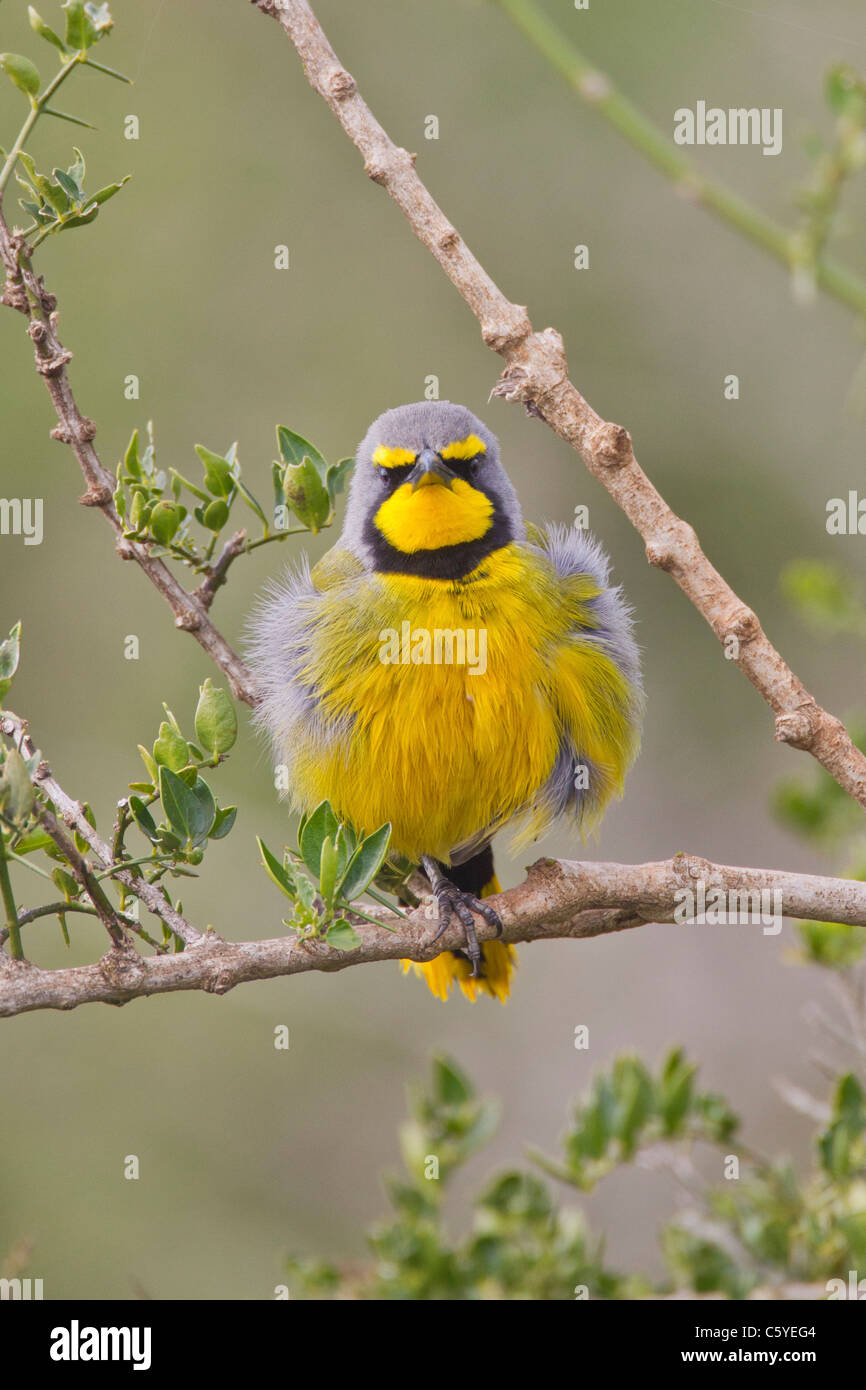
(449, 900)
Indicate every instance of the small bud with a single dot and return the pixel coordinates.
(164, 522)
(216, 725)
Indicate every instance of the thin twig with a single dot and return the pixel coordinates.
(26, 292)
(599, 92)
(72, 814)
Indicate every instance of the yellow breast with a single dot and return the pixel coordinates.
(440, 688)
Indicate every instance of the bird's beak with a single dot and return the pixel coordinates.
(429, 469)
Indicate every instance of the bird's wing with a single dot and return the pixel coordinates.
(594, 683)
(281, 635)
(337, 566)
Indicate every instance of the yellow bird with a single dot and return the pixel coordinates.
(448, 669)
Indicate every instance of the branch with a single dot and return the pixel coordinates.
(536, 373)
(72, 814)
(80, 868)
(215, 574)
(558, 900)
(26, 292)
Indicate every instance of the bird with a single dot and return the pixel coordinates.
(449, 669)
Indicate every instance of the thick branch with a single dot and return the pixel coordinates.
(26, 292)
(557, 900)
(536, 373)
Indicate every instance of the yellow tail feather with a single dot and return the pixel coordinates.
(500, 962)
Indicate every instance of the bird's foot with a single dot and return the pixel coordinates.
(452, 901)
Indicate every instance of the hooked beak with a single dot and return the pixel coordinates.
(428, 469)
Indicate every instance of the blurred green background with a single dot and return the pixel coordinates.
(247, 1152)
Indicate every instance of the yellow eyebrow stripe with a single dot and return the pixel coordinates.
(464, 448)
(392, 458)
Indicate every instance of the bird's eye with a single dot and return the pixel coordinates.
(465, 468)
(393, 477)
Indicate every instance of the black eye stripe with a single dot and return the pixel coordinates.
(392, 477)
(461, 468)
(464, 468)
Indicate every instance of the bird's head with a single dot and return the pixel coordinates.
(429, 495)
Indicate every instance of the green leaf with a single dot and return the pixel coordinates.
(165, 521)
(86, 24)
(824, 595)
(365, 863)
(206, 814)
(149, 764)
(215, 514)
(22, 72)
(223, 822)
(451, 1086)
(216, 724)
(275, 871)
(279, 494)
(38, 25)
(342, 935)
(76, 24)
(16, 789)
(10, 652)
(190, 810)
(143, 819)
(319, 826)
(218, 477)
(294, 449)
(345, 847)
(336, 477)
(68, 184)
(675, 1091)
(171, 748)
(328, 871)
(81, 844)
(844, 90)
(131, 461)
(41, 183)
(69, 887)
(306, 495)
(305, 892)
(102, 195)
(251, 501)
(32, 841)
(78, 168)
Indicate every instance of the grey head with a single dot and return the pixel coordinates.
(429, 442)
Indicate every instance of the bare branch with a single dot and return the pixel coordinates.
(26, 292)
(80, 868)
(215, 574)
(558, 900)
(536, 373)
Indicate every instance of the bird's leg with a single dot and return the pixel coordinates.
(450, 898)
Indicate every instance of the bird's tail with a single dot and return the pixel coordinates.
(476, 876)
